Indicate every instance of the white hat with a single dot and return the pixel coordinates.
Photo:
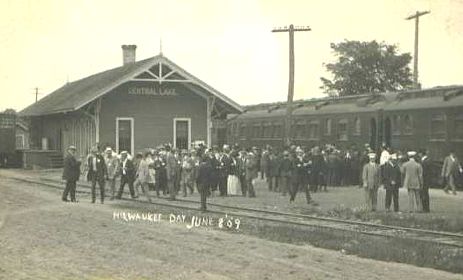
(108, 149)
(124, 152)
(72, 148)
(411, 153)
(372, 155)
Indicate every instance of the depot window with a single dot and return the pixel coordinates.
(328, 123)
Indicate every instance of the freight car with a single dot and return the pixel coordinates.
(7, 139)
(430, 119)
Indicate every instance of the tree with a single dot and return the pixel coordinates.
(367, 67)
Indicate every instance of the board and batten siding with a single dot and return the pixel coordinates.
(152, 115)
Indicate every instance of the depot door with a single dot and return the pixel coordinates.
(182, 133)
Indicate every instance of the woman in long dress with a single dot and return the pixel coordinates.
(233, 183)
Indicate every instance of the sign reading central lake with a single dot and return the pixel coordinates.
(155, 91)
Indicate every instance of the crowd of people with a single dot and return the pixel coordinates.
(232, 170)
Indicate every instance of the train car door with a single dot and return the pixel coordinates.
(373, 133)
(387, 132)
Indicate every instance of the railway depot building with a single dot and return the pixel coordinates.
(139, 105)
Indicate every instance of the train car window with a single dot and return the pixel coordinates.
(300, 130)
(328, 124)
(342, 130)
(408, 125)
(314, 127)
(438, 126)
(357, 126)
(396, 125)
(458, 126)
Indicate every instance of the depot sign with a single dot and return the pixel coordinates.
(153, 91)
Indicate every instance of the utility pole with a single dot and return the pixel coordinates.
(415, 57)
(289, 105)
(36, 93)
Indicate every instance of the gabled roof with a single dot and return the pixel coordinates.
(73, 96)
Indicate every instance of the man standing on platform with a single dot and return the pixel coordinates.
(97, 173)
(391, 179)
(112, 165)
(449, 171)
(252, 167)
(298, 178)
(171, 168)
(71, 173)
(127, 172)
(427, 179)
(413, 181)
(203, 179)
(371, 177)
(241, 167)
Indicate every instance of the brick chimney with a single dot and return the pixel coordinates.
(128, 54)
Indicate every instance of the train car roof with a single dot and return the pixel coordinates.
(437, 97)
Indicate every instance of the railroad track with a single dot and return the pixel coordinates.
(326, 223)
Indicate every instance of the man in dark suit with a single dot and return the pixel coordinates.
(299, 166)
(224, 170)
(241, 170)
(427, 179)
(203, 179)
(391, 179)
(71, 173)
(97, 173)
(127, 173)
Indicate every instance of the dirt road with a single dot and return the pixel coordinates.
(44, 238)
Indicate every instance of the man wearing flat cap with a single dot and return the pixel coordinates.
(71, 173)
(371, 177)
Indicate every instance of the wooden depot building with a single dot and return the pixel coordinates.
(138, 105)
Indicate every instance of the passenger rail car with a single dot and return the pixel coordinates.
(430, 119)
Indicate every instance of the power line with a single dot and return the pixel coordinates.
(36, 93)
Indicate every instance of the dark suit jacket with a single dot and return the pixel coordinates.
(129, 170)
(427, 172)
(203, 180)
(100, 173)
(71, 171)
(224, 166)
(391, 174)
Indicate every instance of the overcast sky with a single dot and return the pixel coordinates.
(227, 44)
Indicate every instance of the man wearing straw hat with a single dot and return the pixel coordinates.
(371, 176)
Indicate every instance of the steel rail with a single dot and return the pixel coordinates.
(291, 222)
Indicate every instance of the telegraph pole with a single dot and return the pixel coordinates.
(289, 106)
(36, 93)
(416, 16)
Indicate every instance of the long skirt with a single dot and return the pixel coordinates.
(233, 185)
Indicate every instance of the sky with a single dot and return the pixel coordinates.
(227, 44)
